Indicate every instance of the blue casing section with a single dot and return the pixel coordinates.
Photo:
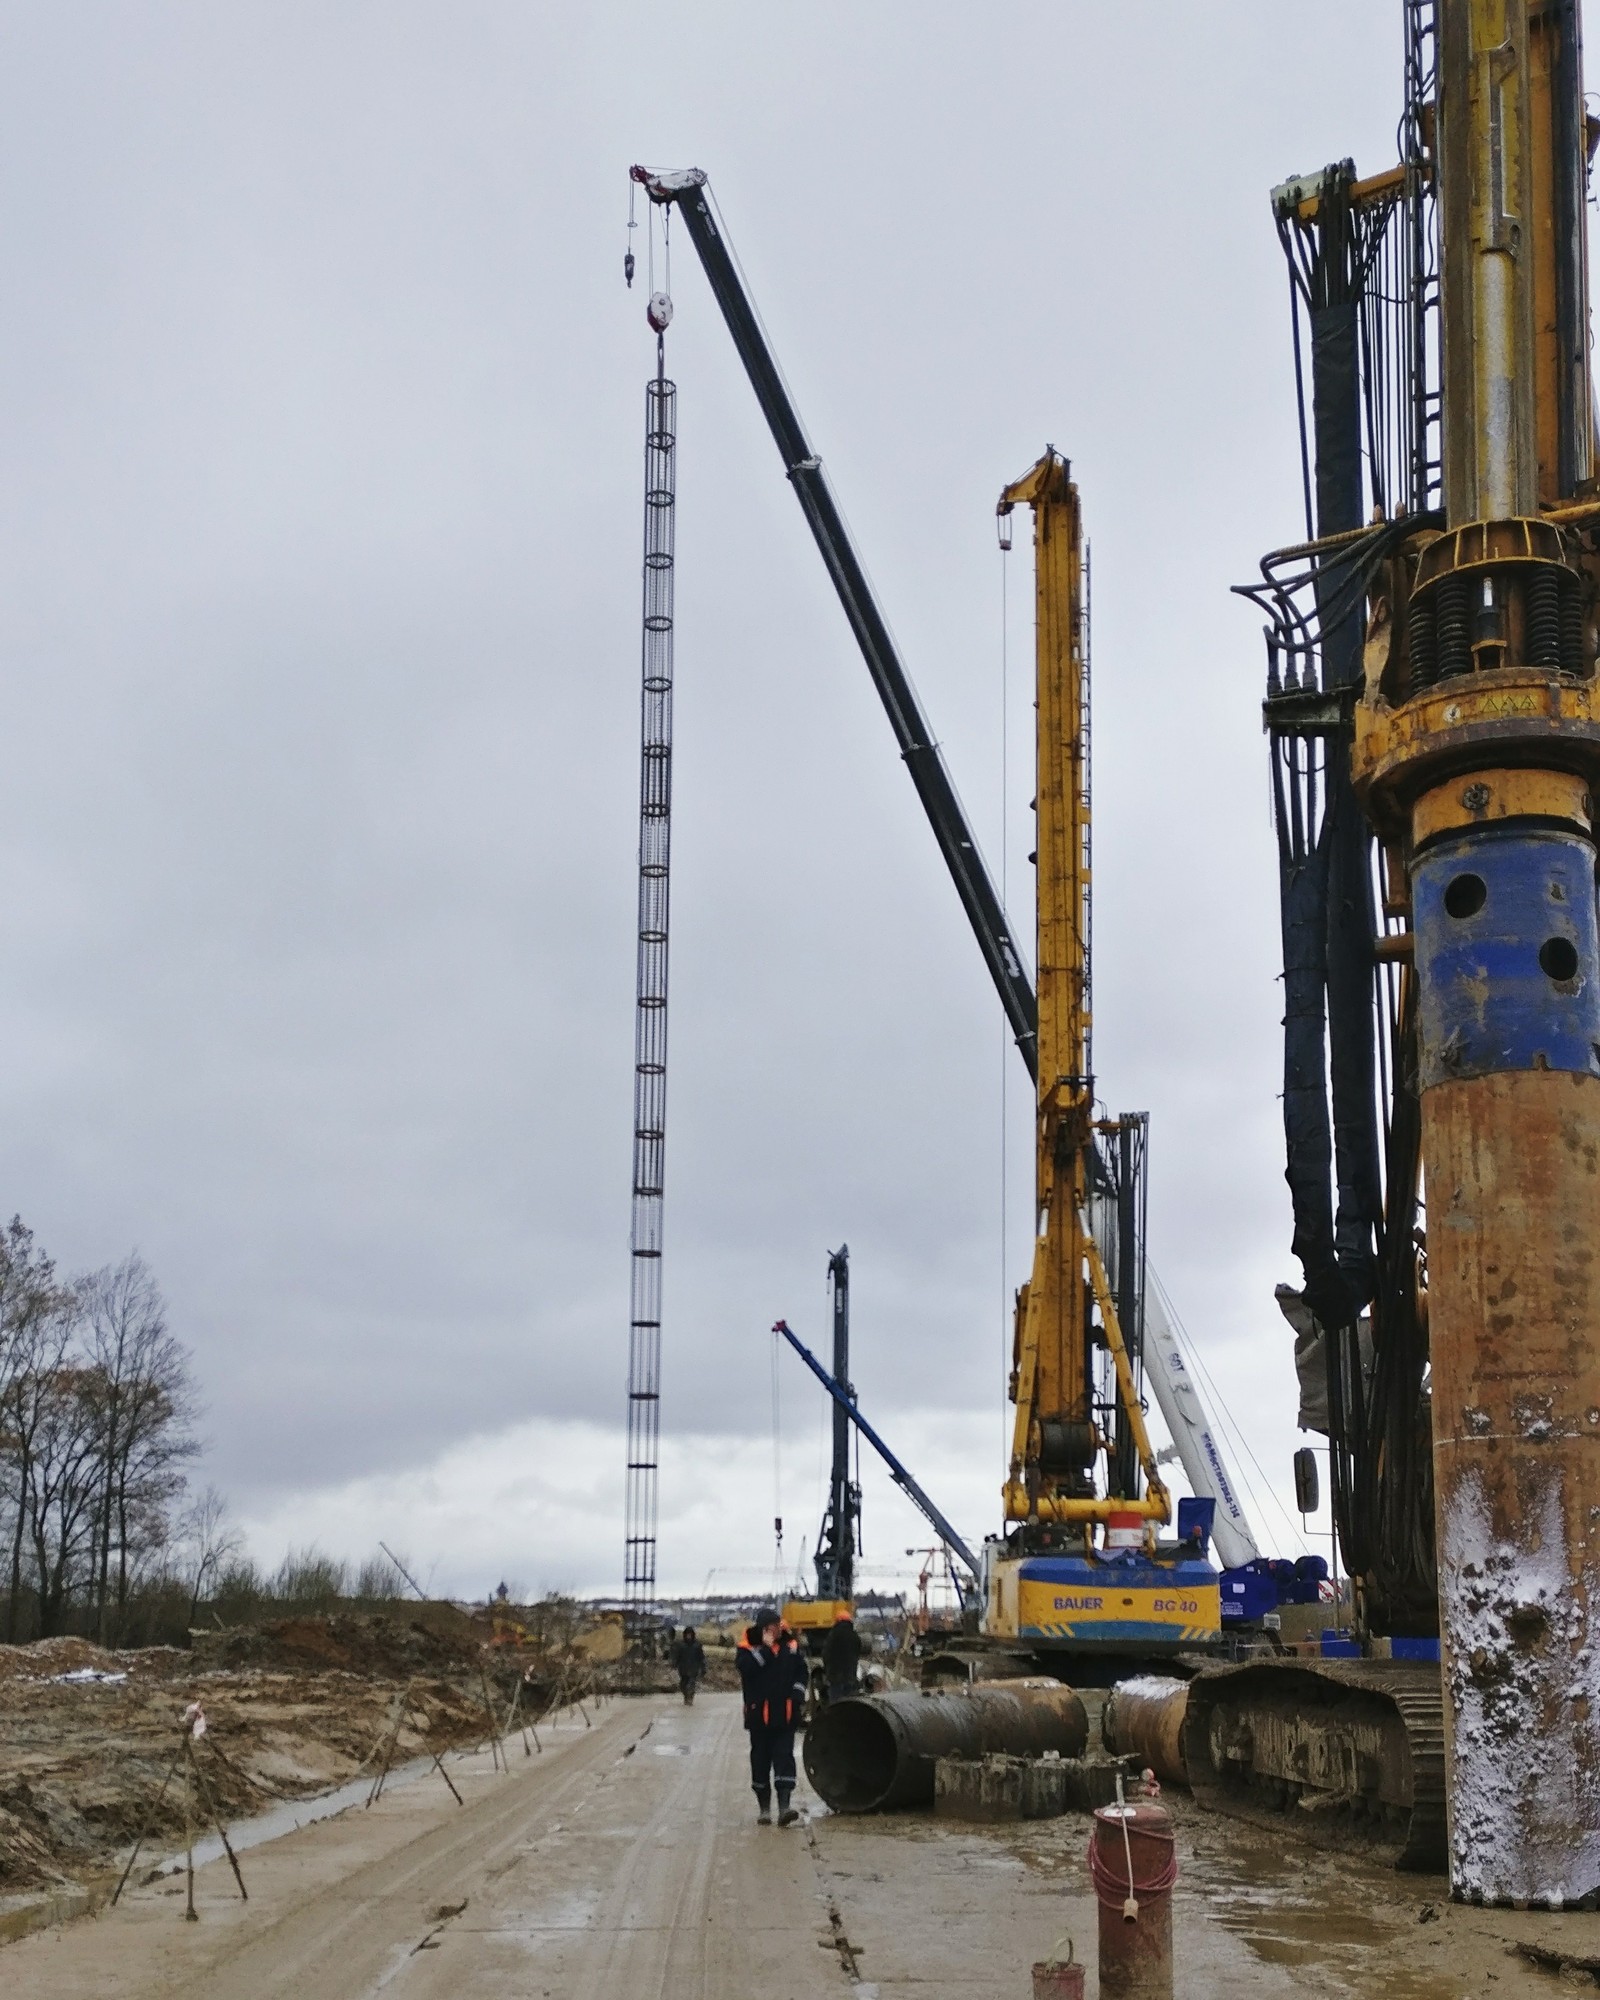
(1487, 1004)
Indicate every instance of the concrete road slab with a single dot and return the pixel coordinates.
(625, 1864)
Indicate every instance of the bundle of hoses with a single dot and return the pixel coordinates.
(1137, 1858)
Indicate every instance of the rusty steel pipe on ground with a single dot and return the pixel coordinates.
(1133, 1863)
(873, 1751)
(1144, 1718)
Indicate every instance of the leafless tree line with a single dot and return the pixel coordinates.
(97, 1428)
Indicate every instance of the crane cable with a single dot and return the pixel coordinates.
(1005, 1033)
(777, 1469)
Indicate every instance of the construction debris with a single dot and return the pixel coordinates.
(999, 1788)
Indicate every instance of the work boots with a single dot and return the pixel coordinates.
(786, 1812)
(763, 1808)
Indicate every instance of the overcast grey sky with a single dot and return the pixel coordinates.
(319, 570)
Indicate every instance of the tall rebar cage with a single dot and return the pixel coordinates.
(650, 1021)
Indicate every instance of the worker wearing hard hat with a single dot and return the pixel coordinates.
(841, 1657)
(772, 1672)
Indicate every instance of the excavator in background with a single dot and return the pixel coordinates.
(1080, 1569)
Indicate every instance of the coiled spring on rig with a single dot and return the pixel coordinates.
(1422, 643)
(1542, 620)
(1439, 625)
(1572, 661)
(1453, 621)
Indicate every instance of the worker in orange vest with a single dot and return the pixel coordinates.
(772, 1673)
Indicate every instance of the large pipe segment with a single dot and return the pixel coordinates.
(877, 1751)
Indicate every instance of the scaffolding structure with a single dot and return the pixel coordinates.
(650, 1017)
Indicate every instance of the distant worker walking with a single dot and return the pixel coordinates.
(772, 1672)
(689, 1664)
(841, 1657)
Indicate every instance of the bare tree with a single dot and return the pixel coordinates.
(148, 1419)
(61, 1483)
(212, 1543)
(38, 1317)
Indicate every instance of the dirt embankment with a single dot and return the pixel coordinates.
(292, 1709)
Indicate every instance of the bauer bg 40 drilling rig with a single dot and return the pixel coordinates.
(1435, 735)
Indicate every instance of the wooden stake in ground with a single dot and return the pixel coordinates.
(496, 1748)
(216, 1817)
(389, 1738)
(150, 1820)
(514, 1711)
(194, 1728)
(191, 1914)
(389, 1749)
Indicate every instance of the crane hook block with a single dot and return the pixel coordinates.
(659, 312)
(627, 269)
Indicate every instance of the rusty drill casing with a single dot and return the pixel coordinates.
(874, 1750)
(1144, 1718)
(1508, 958)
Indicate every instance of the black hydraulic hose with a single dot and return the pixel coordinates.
(691, 196)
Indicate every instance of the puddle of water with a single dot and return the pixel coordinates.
(1302, 1919)
(534, 1926)
(290, 1815)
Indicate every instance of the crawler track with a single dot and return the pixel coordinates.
(1341, 1753)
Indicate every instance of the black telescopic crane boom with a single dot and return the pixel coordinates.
(687, 190)
(845, 1400)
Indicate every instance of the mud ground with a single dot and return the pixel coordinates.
(625, 1859)
(290, 1712)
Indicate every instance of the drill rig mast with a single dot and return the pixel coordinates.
(1048, 1583)
(840, 1536)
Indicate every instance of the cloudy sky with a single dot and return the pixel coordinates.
(319, 565)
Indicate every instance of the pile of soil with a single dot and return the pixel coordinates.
(352, 1643)
(84, 1760)
(47, 1658)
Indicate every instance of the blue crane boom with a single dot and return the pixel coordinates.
(897, 1472)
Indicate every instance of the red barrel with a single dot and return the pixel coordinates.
(1058, 1978)
(1133, 1856)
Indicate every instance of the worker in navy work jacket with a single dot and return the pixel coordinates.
(841, 1657)
(772, 1672)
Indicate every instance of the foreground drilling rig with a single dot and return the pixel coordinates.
(1436, 746)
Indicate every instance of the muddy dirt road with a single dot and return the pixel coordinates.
(625, 1862)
